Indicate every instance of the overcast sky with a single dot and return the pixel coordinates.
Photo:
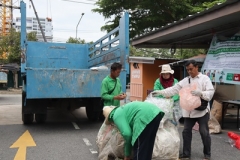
(65, 16)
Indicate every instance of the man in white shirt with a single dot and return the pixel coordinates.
(205, 91)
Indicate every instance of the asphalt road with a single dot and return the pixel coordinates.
(70, 136)
(65, 135)
(10, 99)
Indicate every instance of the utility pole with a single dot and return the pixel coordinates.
(44, 38)
(78, 24)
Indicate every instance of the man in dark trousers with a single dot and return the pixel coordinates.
(205, 91)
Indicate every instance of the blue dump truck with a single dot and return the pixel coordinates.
(61, 74)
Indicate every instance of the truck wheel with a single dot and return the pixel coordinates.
(92, 109)
(101, 116)
(40, 118)
(91, 114)
(27, 118)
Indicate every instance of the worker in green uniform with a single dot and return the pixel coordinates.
(166, 80)
(138, 123)
(111, 89)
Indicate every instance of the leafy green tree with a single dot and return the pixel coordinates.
(165, 53)
(205, 5)
(78, 40)
(32, 36)
(147, 52)
(10, 45)
(187, 53)
(148, 15)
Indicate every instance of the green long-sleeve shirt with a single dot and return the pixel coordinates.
(158, 86)
(107, 85)
(131, 119)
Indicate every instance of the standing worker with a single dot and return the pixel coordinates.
(201, 115)
(138, 123)
(111, 89)
(165, 80)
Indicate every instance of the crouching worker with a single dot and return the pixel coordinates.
(138, 123)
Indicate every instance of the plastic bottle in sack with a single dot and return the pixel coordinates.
(231, 142)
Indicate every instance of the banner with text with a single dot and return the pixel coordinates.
(222, 63)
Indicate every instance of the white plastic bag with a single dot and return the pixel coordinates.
(177, 111)
(110, 143)
(166, 105)
(103, 136)
(187, 100)
(167, 142)
(214, 126)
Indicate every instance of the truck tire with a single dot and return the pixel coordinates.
(101, 116)
(27, 118)
(40, 118)
(92, 113)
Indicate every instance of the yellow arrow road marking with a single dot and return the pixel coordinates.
(24, 141)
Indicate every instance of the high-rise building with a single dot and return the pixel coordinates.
(32, 26)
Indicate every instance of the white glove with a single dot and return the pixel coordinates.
(196, 93)
(156, 93)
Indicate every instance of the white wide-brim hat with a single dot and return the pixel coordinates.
(167, 69)
(106, 111)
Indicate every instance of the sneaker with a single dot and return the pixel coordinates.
(184, 157)
(206, 157)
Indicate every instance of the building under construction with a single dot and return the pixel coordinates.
(5, 17)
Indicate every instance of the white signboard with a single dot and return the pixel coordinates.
(222, 63)
(136, 73)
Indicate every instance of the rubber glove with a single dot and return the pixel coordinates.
(196, 93)
(156, 93)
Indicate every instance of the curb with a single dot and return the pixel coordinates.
(11, 91)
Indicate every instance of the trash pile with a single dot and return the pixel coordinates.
(167, 143)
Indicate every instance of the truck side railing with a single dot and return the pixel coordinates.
(113, 47)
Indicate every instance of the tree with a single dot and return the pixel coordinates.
(78, 40)
(165, 53)
(10, 46)
(32, 36)
(187, 53)
(147, 52)
(148, 15)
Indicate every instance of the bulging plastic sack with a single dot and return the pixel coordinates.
(213, 125)
(166, 105)
(110, 143)
(172, 110)
(187, 100)
(177, 111)
(167, 142)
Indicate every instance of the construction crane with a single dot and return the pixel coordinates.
(5, 17)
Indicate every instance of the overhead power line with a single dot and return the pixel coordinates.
(78, 2)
